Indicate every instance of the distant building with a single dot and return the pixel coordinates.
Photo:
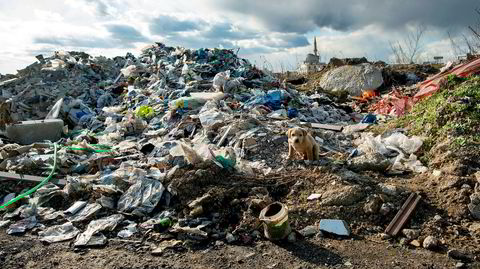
(312, 61)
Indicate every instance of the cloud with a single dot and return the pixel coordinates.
(165, 24)
(303, 16)
(227, 30)
(125, 33)
(71, 41)
(101, 7)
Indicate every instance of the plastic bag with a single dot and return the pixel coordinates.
(53, 114)
(187, 103)
(399, 140)
(145, 112)
(220, 80)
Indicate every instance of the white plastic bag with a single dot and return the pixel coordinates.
(220, 80)
(399, 140)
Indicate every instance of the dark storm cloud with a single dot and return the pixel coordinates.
(286, 41)
(165, 24)
(305, 15)
(125, 33)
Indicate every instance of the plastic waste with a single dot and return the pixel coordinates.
(409, 145)
(145, 112)
(292, 113)
(128, 71)
(85, 213)
(142, 197)
(59, 233)
(22, 226)
(233, 85)
(55, 111)
(369, 118)
(397, 145)
(105, 224)
(129, 230)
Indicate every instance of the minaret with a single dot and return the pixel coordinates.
(315, 46)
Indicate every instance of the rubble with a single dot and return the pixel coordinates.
(181, 146)
(430, 242)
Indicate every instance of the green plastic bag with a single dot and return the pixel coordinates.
(145, 112)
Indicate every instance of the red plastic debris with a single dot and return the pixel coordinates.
(432, 84)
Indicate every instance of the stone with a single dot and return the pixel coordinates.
(309, 231)
(373, 204)
(474, 210)
(197, 211)
(352, 79)
(473, 228)
(160, 249)
(459, 265)
(200, 201)
(430, 242)
(436, 173)
(292, 237)
(384, 236)
(337, 227)
(386, 208)
(313, 196)
(345, 196)
(458, 255)
(370, 162)
(411, 234)
(389, 189)
(416, 243)
(403, 241)
(249, 255)
(230, 238)
(29, 132)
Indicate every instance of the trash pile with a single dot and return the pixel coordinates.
(134, 136)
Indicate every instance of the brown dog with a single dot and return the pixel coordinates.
(302, 142)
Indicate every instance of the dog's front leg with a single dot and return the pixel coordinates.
(309, 154)
(290, 152)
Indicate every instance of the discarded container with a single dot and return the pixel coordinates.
(28, 132)
(275, 221)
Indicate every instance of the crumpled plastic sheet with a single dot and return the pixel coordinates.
(22, 225)
(85, 213)
(398, 143)
(105, 224)
(432, 84)
(128, 231)
(59, 233)
(142, 197)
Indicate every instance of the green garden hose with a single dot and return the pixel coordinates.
(34, 189)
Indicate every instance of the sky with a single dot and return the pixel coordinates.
(273, 34)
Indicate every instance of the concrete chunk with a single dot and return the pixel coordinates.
(29, 132)
(338, 227)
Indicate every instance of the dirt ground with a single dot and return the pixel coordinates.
(27, 252)
(365, 249)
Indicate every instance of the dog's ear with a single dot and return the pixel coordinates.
(304, 132)
(288, 132)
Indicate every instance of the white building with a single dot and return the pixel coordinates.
(312, 61)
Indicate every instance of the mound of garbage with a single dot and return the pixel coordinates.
(182, 145)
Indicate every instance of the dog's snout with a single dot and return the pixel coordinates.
(295, 140)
